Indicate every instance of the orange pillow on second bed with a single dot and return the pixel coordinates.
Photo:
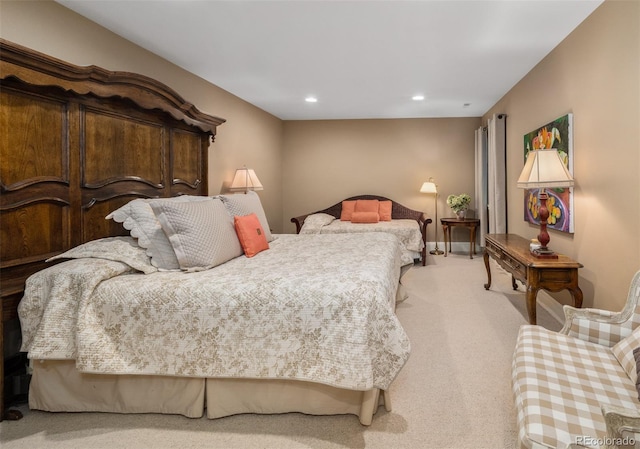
(367, 206)
(384, 210)
(347, 210)
(365, 217)
(250, 234)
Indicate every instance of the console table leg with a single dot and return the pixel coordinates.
(472, 242)
(486, 265)
(532, 292)
(576, 294)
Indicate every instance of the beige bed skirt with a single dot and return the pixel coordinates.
(57, 386)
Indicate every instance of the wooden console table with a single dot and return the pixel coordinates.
(471, 223)
(512, 253)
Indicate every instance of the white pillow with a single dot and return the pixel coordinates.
(201, 233)
(138, 217)
(315, 222)
(319, 219)
(623, 351)
(245, 204)
(120, 249)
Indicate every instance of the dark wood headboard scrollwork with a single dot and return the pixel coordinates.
(77, 143)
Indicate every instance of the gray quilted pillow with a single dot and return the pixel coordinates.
(201, 233)
(137, 217)
(245, 204)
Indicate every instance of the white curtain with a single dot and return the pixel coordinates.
(481, 183)
(497, 174)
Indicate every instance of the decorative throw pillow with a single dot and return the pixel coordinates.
(250, 234)
(119, 249)
(201, 233)
(384, 210)
(347, 210)
(315, 222)
(319, 220)
(636, 356)
(367, 206)
(244, 204)
(623, 351)
(365, 217)
(137, 217)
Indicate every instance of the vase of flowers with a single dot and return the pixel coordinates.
(459, 204)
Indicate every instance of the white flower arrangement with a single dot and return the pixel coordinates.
(459, 202)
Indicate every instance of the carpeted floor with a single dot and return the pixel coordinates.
(454, 392)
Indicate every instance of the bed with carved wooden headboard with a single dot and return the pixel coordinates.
(299, 323)
(77, 143)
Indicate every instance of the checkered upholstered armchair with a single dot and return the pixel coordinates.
(577, 388)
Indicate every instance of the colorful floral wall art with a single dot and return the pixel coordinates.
(557, 134)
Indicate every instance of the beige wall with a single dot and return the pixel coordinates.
(249, 137)
(595, 75)
(326, 161)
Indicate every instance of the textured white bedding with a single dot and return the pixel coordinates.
(313, 307)
(406, 230)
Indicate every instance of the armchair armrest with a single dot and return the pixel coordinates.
(603, 327)
(619, 420)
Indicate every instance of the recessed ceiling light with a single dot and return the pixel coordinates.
(417, 97)
(311, 100)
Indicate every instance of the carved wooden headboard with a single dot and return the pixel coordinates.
(77, 143)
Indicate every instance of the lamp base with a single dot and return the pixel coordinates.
(544, 253)
(437, 252)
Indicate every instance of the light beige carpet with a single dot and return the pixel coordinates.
(454, 392)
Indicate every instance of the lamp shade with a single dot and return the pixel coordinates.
(544, 168)
(244, 180)
(429, 187)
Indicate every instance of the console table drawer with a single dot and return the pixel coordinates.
(506, 261)
(512, 253)
(515, 267)
(557, 279)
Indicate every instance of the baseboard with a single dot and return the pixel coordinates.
(553, 307)
(456, 247)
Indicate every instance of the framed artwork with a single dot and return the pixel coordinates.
(557, 134)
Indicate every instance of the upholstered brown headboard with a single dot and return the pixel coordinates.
(77, 143)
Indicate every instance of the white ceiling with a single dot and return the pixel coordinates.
(360, 58)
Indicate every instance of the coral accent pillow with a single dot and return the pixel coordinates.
(242, 204)
(251, 234)
(365, 217)
(384, 210)
(348, 207)
(367, 206)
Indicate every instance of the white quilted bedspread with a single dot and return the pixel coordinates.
(312, 307)
(407, 231)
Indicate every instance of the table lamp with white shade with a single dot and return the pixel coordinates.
(544, 169)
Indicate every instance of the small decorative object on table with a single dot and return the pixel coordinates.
(534, 245)
(459, 204)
